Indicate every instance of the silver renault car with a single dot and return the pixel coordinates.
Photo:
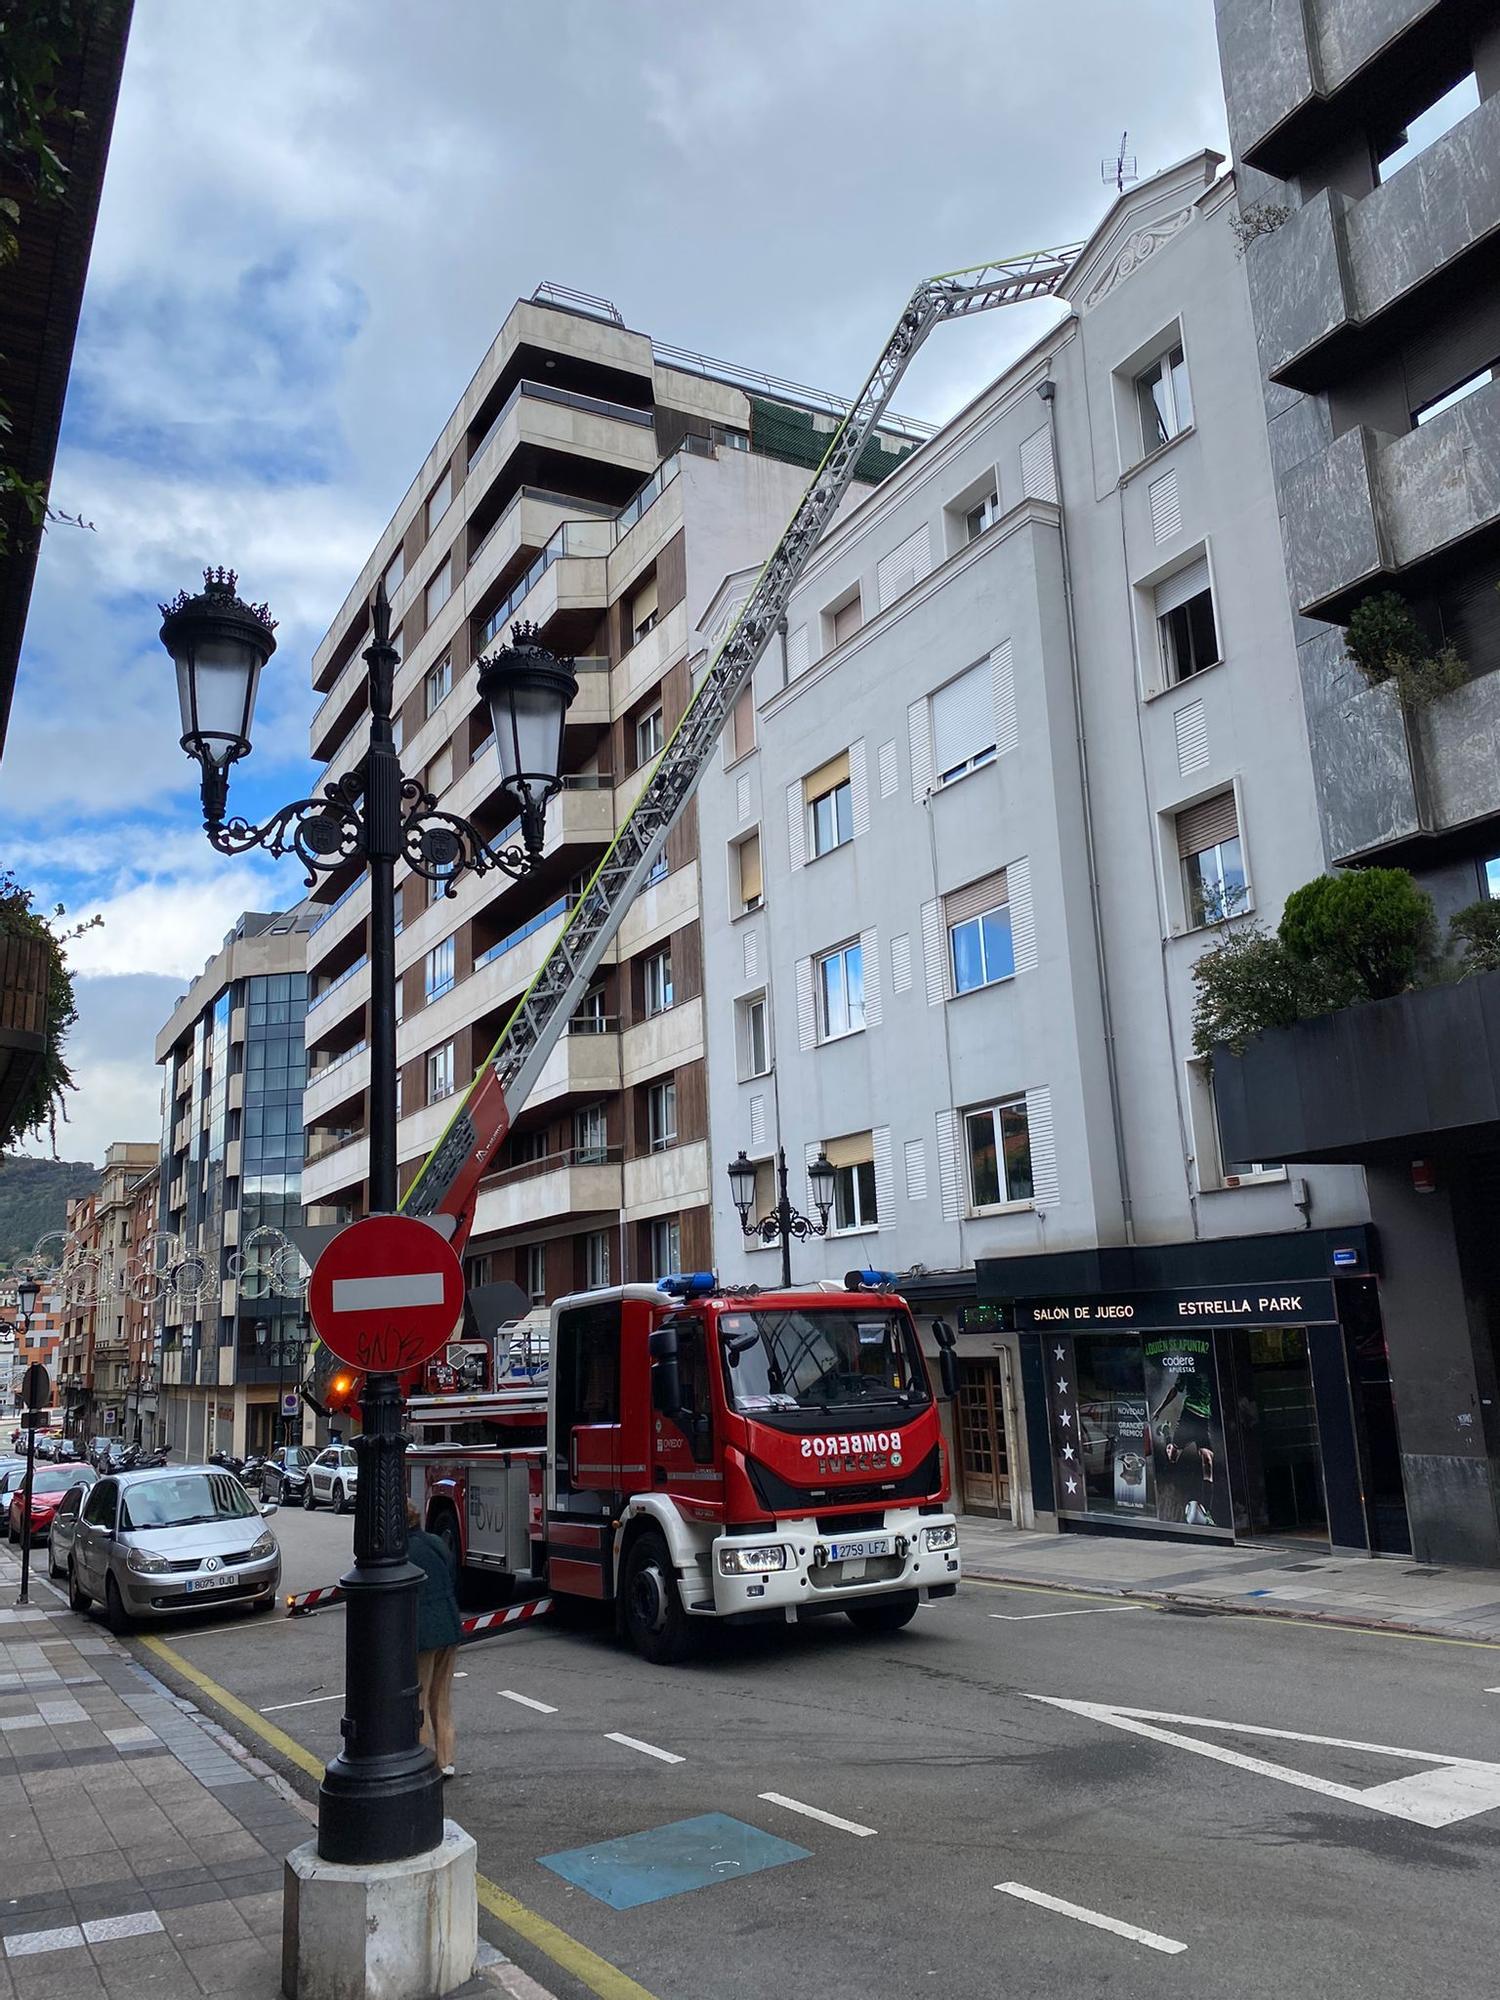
(152, 1543)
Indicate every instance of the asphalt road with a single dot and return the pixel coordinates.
(946, 1769)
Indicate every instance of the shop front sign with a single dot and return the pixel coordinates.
(1294, 1303)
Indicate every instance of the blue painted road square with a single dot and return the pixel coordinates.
(667, 1860)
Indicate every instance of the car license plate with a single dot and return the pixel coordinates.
(225, 1580)
(861, 1551)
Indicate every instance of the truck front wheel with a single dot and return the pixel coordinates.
(884, 1614)
(655, 1621)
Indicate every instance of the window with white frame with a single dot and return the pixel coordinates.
(985, 515)
(399, 900)
(1436, 405)
(742, 725)
(963, 723)
(1164, 399)
(534, 1262)
(643, 614)
(747, 886)
(997, 1148)
(1187, 630)
(440, 588)
(590, 1135)
(477, 1270)
(438, 971)
(398, 1089)
(1213, 1170)
(980, 949)
(656, 977)
(842, 620)
(664, 1246)
(440, 1073)
(650, 735)
(439, 499)
(596, 1259)
(661, 1115)
(853, 1162)
(439, 681)
(840, 986)
(753, 1036)
(1213, 864)
(1394, 150)
(829, 796)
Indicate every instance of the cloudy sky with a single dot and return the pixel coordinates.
(315, 219)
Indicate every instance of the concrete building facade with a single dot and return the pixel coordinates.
(1367, 140)
(598, 485)
(1033, 741)
(233, 1064)
(94, 1351)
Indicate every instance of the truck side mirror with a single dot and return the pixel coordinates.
(666, 1381)
(943, 1334)
(948, 1369)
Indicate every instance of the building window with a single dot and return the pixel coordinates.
(842, 621)
(650, 735)
(644, 614)
(439, 499)
(997, 1141)
(535, 1280)
(656, 976)
(1164, 399)
(1467, 387)
(1185, 623)
(395, 573)
(596, 1260)
(439, 588)
(1213, 866)
(1397, 149)
(853, 1183)
(745, 874)
(841, 992)
(985, 515)
(742, 725)
(830, 805)
(439, 681)
(590, 1136)
(752, 1036)
(980, 950)
(1489, 875)
(963, 724)
(664, 1246)
(400, 902)
(477, 1270)
(1211, 1168)
(439, 969)
(661, 1115)
(440, 1073)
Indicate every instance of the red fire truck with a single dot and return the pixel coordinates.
(704, 1453)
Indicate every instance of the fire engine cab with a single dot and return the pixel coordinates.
(708, 1453)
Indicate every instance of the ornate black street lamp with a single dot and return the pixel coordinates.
(381, 1798)
(784, 1222)
(27, 1290)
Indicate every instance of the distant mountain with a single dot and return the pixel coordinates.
(34, 1198)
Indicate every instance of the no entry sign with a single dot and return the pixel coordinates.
(386, 1294)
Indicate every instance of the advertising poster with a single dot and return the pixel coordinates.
(1186, 1429)
(1130, 1450)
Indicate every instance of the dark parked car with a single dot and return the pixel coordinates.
(284, 1473)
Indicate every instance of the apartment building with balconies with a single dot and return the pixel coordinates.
(1367, 140)
(597, 484)
(233, 1062)
(93, 1353)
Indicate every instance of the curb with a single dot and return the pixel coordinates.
(1298, 1614)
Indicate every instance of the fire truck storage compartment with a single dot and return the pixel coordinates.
(489, 1492)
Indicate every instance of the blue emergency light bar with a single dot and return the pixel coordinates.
(688, 1284)
(871, 1281)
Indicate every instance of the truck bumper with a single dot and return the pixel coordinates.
(811, 1584)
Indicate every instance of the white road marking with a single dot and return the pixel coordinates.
(1095, 1917)
(1025, 1617)
(817, 1812)
(312, 1701)
(541, 1707)
(646, 1749)
(1453, 1788)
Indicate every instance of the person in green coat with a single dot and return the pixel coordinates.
(439, 1629)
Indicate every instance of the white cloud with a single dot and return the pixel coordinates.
(111, 1053)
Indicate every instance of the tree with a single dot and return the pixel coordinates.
(1477, 929)
(1386, 643)
(1245, 983)
(45, 1100)
(1364, 935)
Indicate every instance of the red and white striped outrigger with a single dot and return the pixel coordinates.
(298, 1604)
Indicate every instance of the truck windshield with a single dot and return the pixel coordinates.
(812, 1359)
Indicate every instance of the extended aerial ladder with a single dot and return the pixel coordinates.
(448, 1182)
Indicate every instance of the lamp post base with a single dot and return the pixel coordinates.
(390, 1930)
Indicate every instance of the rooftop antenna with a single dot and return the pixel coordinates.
(1120, 169)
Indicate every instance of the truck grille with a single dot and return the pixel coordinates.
(780, 1496)
(851, 1524)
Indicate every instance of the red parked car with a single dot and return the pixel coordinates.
(48, 1487)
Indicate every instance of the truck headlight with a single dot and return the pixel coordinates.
(144, 1563)
(752, 1561)
(263, 1546)
(940, 1538)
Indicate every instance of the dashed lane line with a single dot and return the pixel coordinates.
(1097, 1918)
(817, 1812)
(528, 1701)
(1088, 1611)
(646, 1749)
(312, 1701)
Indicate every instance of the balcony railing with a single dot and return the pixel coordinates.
(334, 984)
(571, 539)
(553, 1163)
(547, 498)
(317, 1075)
(357, 883)
(559, 908)
(597, 406)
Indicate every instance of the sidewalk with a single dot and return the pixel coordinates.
(141, 1846)
(1390, 1593)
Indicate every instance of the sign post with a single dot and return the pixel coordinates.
(36, 1394)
